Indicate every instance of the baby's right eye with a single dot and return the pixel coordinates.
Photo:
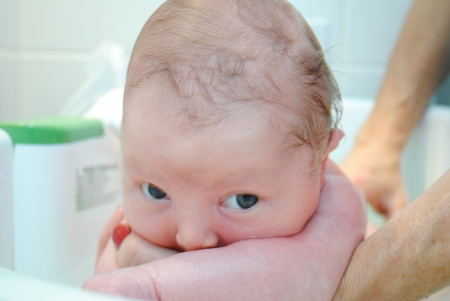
(153, 192)
(241, 201)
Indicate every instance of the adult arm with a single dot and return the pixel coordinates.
(308, 265)
(407, 258)
(418, 65)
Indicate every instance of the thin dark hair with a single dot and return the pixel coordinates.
(225, 52)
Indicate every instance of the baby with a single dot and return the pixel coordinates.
(230, 112)
(227, 124)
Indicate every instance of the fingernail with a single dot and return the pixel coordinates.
(120, 232)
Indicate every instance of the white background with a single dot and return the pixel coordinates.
(45, 43)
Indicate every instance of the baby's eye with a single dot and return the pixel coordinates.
(153, 192)
(241, 201)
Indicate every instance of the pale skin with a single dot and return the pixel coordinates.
(200, 212)
(407, 259)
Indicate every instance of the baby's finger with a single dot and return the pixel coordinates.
(135, 250)
(115, 219)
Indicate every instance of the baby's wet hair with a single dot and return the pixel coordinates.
(219, 54)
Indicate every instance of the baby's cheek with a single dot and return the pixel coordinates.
(154, 227)
(300, 211)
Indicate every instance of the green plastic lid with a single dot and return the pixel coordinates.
(53, 130)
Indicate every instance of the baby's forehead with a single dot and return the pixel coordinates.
(159, 102)
(247, 136)
(160, 112)
(205, 93)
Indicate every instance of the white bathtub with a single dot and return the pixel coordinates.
(427, 156)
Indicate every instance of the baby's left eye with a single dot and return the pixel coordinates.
(153, 192)
(241, 201)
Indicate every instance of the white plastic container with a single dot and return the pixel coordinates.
(6, 203)
(66, 184)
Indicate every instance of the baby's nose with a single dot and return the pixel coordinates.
(195, 232)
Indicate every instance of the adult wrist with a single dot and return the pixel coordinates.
(382, 140)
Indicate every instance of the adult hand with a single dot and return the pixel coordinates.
(375, 170)
(106, 259)
(309, 264)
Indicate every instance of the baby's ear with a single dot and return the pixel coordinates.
(333, 141)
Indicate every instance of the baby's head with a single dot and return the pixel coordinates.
(228, 122)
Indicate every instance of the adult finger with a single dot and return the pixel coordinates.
(106, 234)
(119, 283)
(107, 261)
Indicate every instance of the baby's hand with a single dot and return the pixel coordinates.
(135, 250)
(120, 247)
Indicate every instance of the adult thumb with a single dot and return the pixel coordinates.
(133, 282)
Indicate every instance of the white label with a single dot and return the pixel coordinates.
(97, 185)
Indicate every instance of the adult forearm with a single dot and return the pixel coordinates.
(418, 65)
(408, 258)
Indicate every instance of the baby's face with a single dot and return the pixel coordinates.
(192, 190)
